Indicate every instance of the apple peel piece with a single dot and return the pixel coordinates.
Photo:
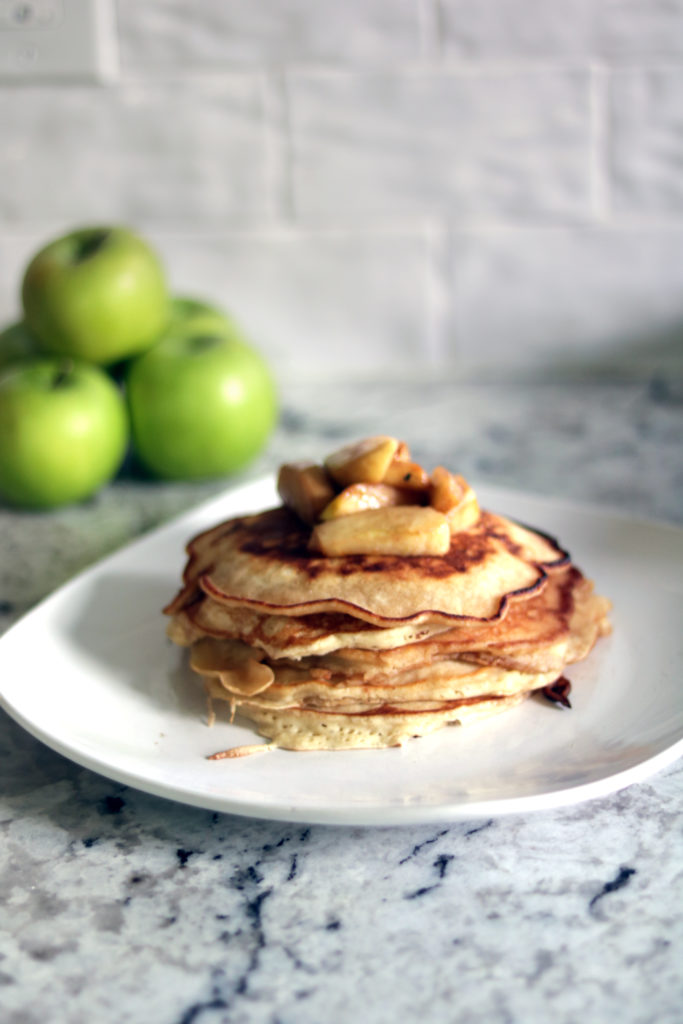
(403, 530)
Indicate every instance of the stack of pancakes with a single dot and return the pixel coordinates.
(368, 649)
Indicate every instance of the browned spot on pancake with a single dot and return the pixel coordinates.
(280, 536)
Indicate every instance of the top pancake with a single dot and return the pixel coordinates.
(263, 562)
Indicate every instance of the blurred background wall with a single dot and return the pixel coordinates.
(479, 185)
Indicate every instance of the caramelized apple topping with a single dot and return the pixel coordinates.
(398, 530)
(371, 498)
(445, 490)
(364, 462)
(466, 513)
(360, 497)
(452, 495)
(305, 488)
(404, 473)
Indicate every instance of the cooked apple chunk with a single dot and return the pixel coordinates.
(404, 473)
(452, 495)
(445, 490)
(466, 513)
(396, 530)
(360, 497)
(364, 462)
(305, 488)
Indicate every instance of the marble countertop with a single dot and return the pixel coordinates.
(119, 907)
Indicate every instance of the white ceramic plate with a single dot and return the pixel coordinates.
(91, 674)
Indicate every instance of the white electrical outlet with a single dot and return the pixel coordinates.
(58, 39)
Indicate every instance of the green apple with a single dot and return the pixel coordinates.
(63, 431)
(187, 313)
(98, 294)
(17, 342)
(202, 401)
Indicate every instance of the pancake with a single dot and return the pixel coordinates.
(417, 687)
(263, 562)
(289, 635)
(370, 641)
(301, 729)
(557, 624)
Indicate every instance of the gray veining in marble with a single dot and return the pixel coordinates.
(120, 908)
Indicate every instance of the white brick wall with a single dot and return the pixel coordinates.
(566, 296)
(544, 30)
(149, 152)
(449, 144)
(339, 300)
(646, 121)
(217, 34)
(382, 183)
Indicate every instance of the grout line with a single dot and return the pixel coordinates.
(600, 143)
(432, 61)
(278, 146)
(438, 246)
(291, 229)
